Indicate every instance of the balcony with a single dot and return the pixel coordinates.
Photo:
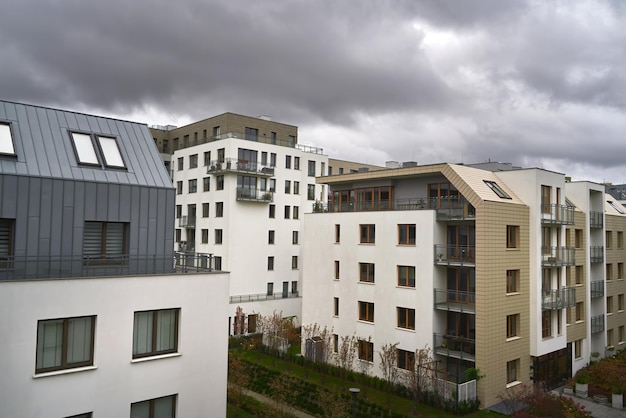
(597, 324)
(58, 267)
(455, 347)
(596, 254)
(557, 214)
(597, 289)
(596, 219)
(187, 222)
(558, 256)
(555, 299)
(455, 300)
(235, 165)
(254, 195)
(449, 255)
(263, 296)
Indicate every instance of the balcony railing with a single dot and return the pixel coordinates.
(455, 347)
(56, 267)
(263, 296)
(596, 219)
(187, 222)
(558, 298)
(597, 323)
(558, 256)
(596, 254)
(455, 300)
(557, 214)
(254, 195)
(454, 255)
(235, 165)
(597, 288)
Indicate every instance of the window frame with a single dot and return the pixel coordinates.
(405, 359)
(219, 236)
(64, 345)
(192, 186)
(7, 225)
(512, 371)
(206, 184)
(365, 350)
(204, 236)
(152, 403)
(367, 273)
(499, 191)
(295, 237)
(335, 306)
(512, 281)
(311, 168)
(367, 233)
(270, 263)
(512, 325)
(105, 257)
(310, 191)
(86, 144)
(405, 280)
(405, 318)
(366, 311)
(271, 237)
(294, 262)
(193, 161)
(404, 234)
(10, 149)
(512, 236)
(153, 352)
(219, 209)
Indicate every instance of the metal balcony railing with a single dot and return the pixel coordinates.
(58, 267)
(455, 300)
(454, 255)
(597, 323)
(597, 288)
(263, 296)
(558, 256)
(236, 165)
(187, 222)
(557, 214)
(596, 219)
(254, 195)
(455, 347)
(558, 298)
(596, 254)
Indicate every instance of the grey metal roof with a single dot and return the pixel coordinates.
(43, 146)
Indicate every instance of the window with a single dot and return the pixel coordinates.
(406, 318)
(294, 262)
(155, 332)
(609, 239)
(337, 233)
(217, 260)
(497, 189)
(609, 272)
(219, 209)
(578, 238)
(294, 287)
(178, 235)
(166, 147)
(620, 335)
(546, 324)
(366, 272)
(270, 237)
(406, 276)
(620, 239)
(205, 210)
(296, 187)
(287, 186)
(620, 302)
(83, 145)
(512, 368)
(366, 350)
(336, 306)
(218, 236)
(207, 158)
(111, 152)
(180, 165)
(609, 304)
(206, 184)
(104, 240)
(287, 161)
(273, 159)
(512, 325)
(406, 234)
(179, 187)
(340, 170)
(264, 158)
(310, 191)
(296, 163)
(366, 311)
(406, 359)
(368, 233)
(294, 237)
(311, 171)
(193, 161)
(579, 275)
(164, 407)
(609, 337)
(578, 348)
(287, 212)
(64, 343)
(620, 271)
(296, 212)
(272, 214)
(270, 263)
(272, 185)
(580, 311)
(219, 183)
(193, 186)
(337, 269)
(618, 207)
(512, 281)
(216, 131)
(291, 140)
(335, 343)
(512, 236)
(205, 236)
(6, 241)
(6, 140)
(251, 134)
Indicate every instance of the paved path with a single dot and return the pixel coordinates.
(597, 410)
(277, 405)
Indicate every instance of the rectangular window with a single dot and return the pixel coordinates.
(177, 235)
(205, 236)
(111, 152)
(287, 161)
(296, 212)
(206, 184)
(406, 234)
(579, 275)
(164, 407)
(155, 332)
(620, 239)
(621, 335)
(287, 186)
(6, 242)
(264, 158)
(512, 325)
(406, 359)
(287, 212)
(205, 210)
(179, 187)
(580, 311)
(6, 140)
(270, 263)
(512, 370)
(620, 271)
(578, 238)
(294, 262)
(84, 147)
(65, 343)
(272, 187)
(180, 164)
(252, 134)
(406, 318)
(310, 191)
(272, 211)
(294, 237)
(296, 187)
(217, 261)
(609, 272)
(546, 324)
(207, 158)
(335, 343)
(337, 233)
(497, 189)
(294, 287)
(512, 236)
(296, 163)
(193, 186)
(273, 159)
(166, 147)
(104, 240)
(219, 182)
(406, 276)
(311, 168)
(336, 306)
(512, 281)
(368, 233)
(366, 272)
(609, 239)
(216, 131)
(219, 209)
(578, 348)
(366, 311)
(218, 236)
(609, 337)
(609, 304)
(193, 161)
(366, 350)
(337, 269)
(620, 302)
(270, 237)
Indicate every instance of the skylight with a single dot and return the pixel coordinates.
(616, 206)
(569, 203)
(84, 149)
(497, 189)
(6, 140)
(111, 152)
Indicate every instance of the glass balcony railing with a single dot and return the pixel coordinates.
(596, 254)
(558, 298)
(447, 209)
(596, 219)
(455, 255)
(557, 214)
(597, 288)
(455, 300)
(263, 296)
(254, 195)
(558, 256)
(597, 323)
(235, 165)
(187, 222)
(455, 346)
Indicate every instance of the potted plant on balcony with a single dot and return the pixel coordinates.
(617, 397)
(582, 382)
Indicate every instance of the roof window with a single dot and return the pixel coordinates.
(111, 152)
(497, 189)
(617, 207)
(103, 151)
(6, 139)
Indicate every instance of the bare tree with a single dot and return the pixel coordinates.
(419, 377)
(347, 353)
(276, 331)
(388, 362)
(318, 339)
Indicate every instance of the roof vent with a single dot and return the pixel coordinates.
(409, 164)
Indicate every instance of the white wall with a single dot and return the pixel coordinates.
(198, 375)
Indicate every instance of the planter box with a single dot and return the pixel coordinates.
(582, 389)
(618, 401)
(568, 391)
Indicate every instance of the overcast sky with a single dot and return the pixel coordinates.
(536, 83)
